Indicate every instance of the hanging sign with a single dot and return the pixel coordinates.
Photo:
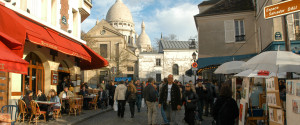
(282, 8)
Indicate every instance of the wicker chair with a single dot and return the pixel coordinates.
(74, 106)
(80, 103)
(22, 110)
(93, 103)
(36, 112)
(57, 112)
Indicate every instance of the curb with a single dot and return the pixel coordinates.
(89, 116)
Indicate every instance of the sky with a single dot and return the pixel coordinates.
(160, 16)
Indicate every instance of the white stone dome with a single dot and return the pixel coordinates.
(144, 41)
(119, 12)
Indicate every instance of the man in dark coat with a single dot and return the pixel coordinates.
(170, 98)
(209, 97)
(201, 92)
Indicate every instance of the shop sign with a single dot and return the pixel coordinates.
(263, 73)
(64, 20)
(118, 79)
(278, 36)
(282, 8)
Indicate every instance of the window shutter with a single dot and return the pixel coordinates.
(291, 26)
(229, 31)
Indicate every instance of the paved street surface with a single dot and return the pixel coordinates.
(111, 118)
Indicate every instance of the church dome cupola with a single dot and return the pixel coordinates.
(144, 42)
(119, 12)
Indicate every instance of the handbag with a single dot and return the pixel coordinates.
(143, 103)
(115, 106)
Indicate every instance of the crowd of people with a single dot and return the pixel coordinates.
(198, 99)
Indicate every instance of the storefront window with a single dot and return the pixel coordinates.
(297, 25)
(34, 80)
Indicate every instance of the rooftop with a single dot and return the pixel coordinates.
(228, 6)
(176, 45)
(208, 2)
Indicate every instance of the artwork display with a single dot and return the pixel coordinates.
(234, 88)
(298, 88)
(290, 88)
(241, 112)
(296, 106)
(273, 99)
(245, 91)
(54, 78)
(272, 84)
(271, 114)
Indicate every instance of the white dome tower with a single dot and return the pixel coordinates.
(144, 42)
(119, 16)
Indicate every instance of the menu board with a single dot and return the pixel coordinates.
(54, 77)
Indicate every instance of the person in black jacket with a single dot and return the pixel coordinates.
(170, 98)
(201, 91)
(102, 97)
(151, 97)
(190, 100)
(225, 110)
(209, 97)
(111, 93)
(27, 99)
(84, 92)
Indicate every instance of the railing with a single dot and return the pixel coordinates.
(240, 38)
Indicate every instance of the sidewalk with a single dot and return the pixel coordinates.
(71, 119)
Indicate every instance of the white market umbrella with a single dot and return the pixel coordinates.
(253, 73)
(274, 61)
(230, 67)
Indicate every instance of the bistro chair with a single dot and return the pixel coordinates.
(93, 103)
(22, 110)
(57, 113)
(12, 110)
(36, 112)
(74, 106)
(80, 103)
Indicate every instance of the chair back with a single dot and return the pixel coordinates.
(10, 109)
(22, 106)
(35, 109)
(95, 99)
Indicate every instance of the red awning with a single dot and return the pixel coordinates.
(10, 62)
(12, 33)
(96, 63)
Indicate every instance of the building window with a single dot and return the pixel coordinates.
(120, 23)
(158, 77)
(158, 62)
(115, 24)
(129, 68)
(103, 50)
(129, 40)
(297, 25)
(175, 69)
(239, 30)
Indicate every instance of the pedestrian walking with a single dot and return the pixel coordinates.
(139, 95)
(119, 96)
(192, 86)
(190, 100)
(225, 110)
(209, 97)
(163, 113)
(131, 97)
(151, 98)
(170, 98)
(111, 92)
(201, 92)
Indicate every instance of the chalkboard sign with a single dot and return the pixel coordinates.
(54, 77)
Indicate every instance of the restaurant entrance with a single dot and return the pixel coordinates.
(63, 72)
(3, 88)
(34, 80)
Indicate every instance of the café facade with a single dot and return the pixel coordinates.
(38, 57)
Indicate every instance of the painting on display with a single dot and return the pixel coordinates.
(271, 84)
(296, 106)
(279, 116)
(245, 91)
(234, 88)
(241, 112)
(290, 88)
(298, 88)
(273, 99)
(271, 114)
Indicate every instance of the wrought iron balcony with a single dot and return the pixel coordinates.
(240, 38)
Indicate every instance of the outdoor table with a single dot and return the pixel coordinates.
(90, 96)
(5, 119)
(46, 102)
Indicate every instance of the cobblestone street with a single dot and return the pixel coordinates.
(111, 118)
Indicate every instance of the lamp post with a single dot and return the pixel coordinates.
(194, 55)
